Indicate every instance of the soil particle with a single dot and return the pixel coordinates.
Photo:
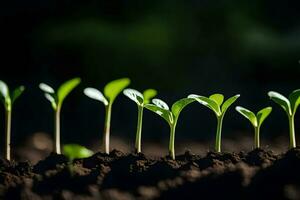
(50, 163)
(100, 158)
(260, 157)
(214, 159)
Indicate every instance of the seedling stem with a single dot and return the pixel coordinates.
(172, 140)
(219, 133)
(57, 130)
(8, 133)
(292, 131)
(106, 135)
(256, 137)
(138, 137)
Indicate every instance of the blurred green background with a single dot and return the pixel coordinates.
(176, 47)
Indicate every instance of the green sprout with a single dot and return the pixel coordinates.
(76, 151)
(111, 91)
(256, 120)
(56, 99)
(171, 116)
(290, 106)
(8, 101)
(141, 100)
(215, 103)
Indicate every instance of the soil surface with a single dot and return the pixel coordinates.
(258, 174)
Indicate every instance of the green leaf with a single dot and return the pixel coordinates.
(46, 88)
(211, 104)
(263, 114)
(179, 105)
(294, 100)
(160, 103)
(228, 103)
(218, 98)
(112, 89)
(166, 114)
(75, 151)
(52, 99)
(17, 93)
(281, 100)
(66, 88)
(4, 91)
(95, 94)
(148, 95)
(248, 115)
(134, 95)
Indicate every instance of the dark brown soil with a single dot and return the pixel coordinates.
(258, 174)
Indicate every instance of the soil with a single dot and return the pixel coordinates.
(258, 174)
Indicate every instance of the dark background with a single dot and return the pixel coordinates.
(176, 47)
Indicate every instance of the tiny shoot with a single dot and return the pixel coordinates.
(141, 100)
(171, 116)
(256, 120)
(8, 100)
(215, 103)
(76, 151)
(111, 91)
(290, 106)
(56, 99)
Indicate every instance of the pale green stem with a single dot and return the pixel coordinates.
(57, 148)
(138, 146)
(172, 140)
(256, 137)
(292, 132)
(219, 134)
(106, 134)
(7, 133)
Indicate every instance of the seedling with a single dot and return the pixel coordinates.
(171, 116)
(56, 99)
(256, 120)
(111, 91)
(215, 103)
(8, 101)
(76, 151)
(141, 100)
(290, 106)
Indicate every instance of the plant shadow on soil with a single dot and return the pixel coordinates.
(259, 174)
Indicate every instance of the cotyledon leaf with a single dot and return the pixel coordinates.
(294, 98)
(281, 100)
(148, 95)
(229, 102)
(134, 95)
(211, 104)
(166, 114)
(66, 88)
(160, 103)
(95, 94)
(113, 88)
(247, 114)
(218, 98)
(178, 106)
(263, 114)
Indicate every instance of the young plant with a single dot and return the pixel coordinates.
(141, 100)
(171, 116)
(111, 91)
(256, 120)
(76, 151)
(8, 101)
(56, 99)
(290, 106)
(215, 103)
